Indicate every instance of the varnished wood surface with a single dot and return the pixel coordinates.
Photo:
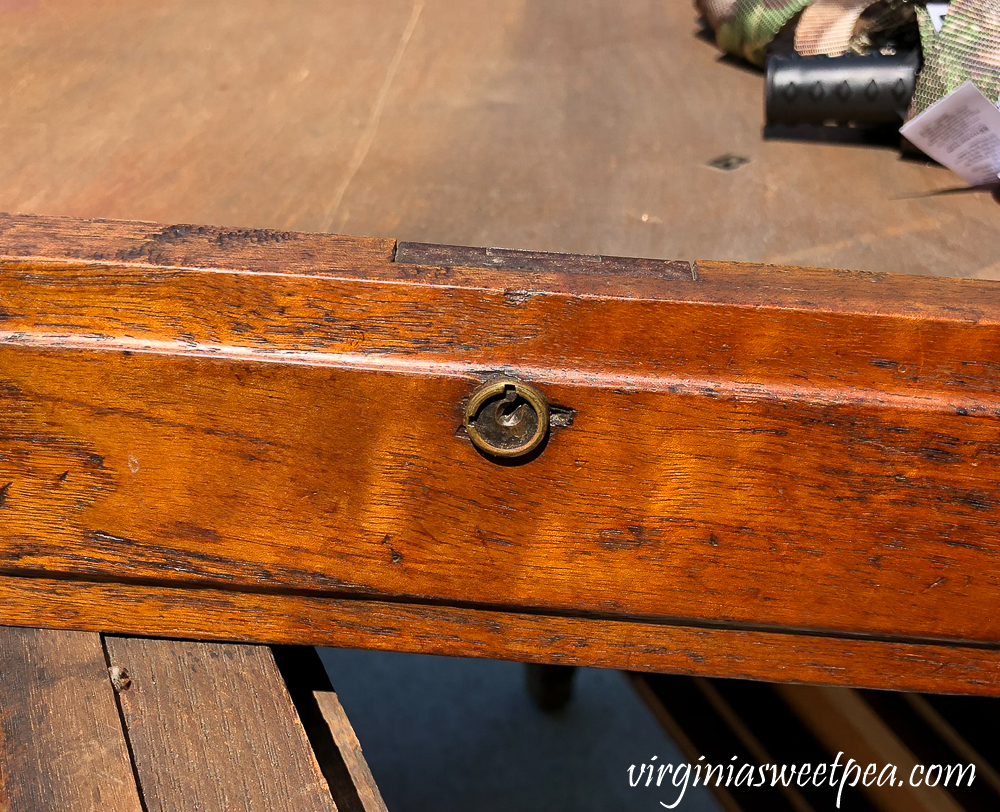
(292, 438)
(211, 727)
(211, 614)
(617, 517)
(575, 127)
(61, 741)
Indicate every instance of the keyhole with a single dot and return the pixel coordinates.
(507, 418)
(510, 410)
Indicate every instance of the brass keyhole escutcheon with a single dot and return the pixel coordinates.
(507, 418)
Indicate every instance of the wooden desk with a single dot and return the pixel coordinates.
(567, 127)
(582, 128)
(265, 436)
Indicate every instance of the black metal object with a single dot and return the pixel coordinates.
(863, 90)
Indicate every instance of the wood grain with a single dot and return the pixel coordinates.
(452, 256)
(239, 249)
(61, 741)
(578, 127)
(843, 722)
(215, 614)
(346, 740)
(795, 431)
(808, 726)
(330, 733)
(213, 729)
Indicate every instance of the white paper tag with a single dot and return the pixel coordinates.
(937, 12)
(962, 132)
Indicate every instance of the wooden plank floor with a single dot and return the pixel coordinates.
(61, 742)
(571, 126)
(91, 723)
(211, 726)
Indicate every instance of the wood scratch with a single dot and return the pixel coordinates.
(371, 128)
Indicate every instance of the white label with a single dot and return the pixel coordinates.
(937, 12)
(962, 132)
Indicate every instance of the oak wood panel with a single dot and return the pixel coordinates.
(889, 542)
(793, 430)
(189, 425)
(61, 741)
(217, 614)
(213, 729)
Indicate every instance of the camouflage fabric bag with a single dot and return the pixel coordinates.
(967, 47)
(747, 27)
